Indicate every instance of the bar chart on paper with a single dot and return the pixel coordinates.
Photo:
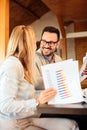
(64, 77)
(63, 88)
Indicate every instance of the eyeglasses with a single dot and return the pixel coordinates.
(50, 43)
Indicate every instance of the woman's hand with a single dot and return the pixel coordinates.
(46, 95)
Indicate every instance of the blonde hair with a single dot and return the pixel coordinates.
(22, 44)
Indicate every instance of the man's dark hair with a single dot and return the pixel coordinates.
(51, 29)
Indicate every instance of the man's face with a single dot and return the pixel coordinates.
(49, 43)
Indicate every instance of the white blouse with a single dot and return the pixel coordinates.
(16, 94)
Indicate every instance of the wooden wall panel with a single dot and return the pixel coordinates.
(4, 27)
(81, 46)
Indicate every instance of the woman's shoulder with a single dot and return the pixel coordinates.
(12, 65)
(12, 61)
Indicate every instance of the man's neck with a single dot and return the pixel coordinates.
(50, 58)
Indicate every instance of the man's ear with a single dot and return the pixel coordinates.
(58, 44)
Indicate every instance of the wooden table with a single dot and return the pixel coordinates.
(77, 111)
(70, 109)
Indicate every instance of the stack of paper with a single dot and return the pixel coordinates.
(64, 77)
(82, 77)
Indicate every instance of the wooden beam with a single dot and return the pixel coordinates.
(63, 39)
(61, 26)
(76, 34)
(27, 10)
(64, 48)
(4, 27)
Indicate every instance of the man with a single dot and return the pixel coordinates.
(46, 54)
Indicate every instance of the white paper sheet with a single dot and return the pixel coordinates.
(83, 68)
(64, 77)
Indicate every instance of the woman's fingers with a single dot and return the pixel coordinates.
(47, 95)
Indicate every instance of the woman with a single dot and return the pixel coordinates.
(17, 95)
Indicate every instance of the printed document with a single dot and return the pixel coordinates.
(64, 77)
(83, 77)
